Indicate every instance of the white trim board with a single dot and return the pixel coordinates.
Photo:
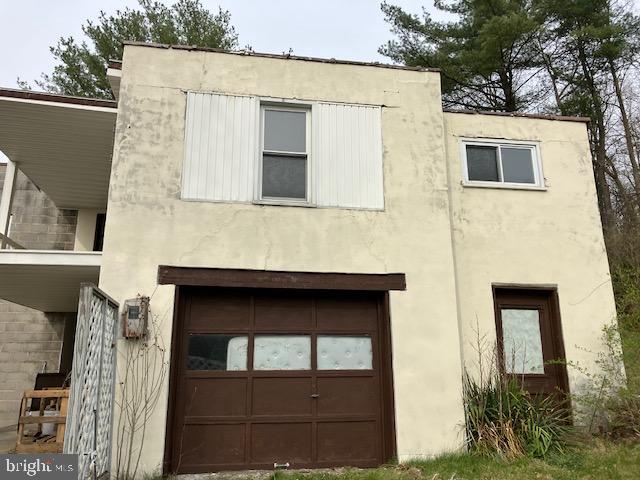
(50, 257)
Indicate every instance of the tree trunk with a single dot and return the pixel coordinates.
(599, 148)
(628, 134)
(510, 99)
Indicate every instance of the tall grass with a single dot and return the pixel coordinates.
(501, 418)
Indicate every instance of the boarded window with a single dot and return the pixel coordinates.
(317, 153)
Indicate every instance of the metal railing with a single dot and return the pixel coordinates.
(4, 241)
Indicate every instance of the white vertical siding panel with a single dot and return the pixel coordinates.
(316, 132)
(347, 156)
(356, 154)
(227, 164)
(205, 124)
(195, 146)
(220, 134)
(209, 169)
(346, 182)
(378, 193)
(234, 165)
(250, 136)
(218, 147)
(188, 141)
(237, 174)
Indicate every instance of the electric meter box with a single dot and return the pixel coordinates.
(135, 317)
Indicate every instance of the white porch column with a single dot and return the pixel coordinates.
(6, 199)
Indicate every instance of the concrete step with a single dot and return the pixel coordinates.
(19, 376)
(30, 355)
(9, 406)
(11, 395)
(29, 346)
(8, 418)
(26, 327)
(8, 307)
(27, 366)
(33, 317)
(11, 337)
(19, 385)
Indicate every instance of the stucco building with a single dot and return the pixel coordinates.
(322, 244)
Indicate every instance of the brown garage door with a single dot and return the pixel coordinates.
(264, 377)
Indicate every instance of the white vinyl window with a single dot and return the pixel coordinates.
(501, 164)
(284, 156)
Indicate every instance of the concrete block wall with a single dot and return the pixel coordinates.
(31, 341)
(36, 223)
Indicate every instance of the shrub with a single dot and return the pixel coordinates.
(626, 285)
(501, 418)
(606, 405)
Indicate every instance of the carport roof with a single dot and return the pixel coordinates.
(47, 280)
(63, 144)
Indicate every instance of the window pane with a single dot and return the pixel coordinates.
(340, 352)
(284, 177)
(217, 352)
(517, 165)
(522, 343)
(282, 352)
(482, 163)
(285, 131)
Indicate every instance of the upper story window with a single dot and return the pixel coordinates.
(284, 161)
(501, 164)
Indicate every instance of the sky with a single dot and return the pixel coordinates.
(344, 29)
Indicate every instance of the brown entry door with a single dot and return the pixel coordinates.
(530, 339)
(273, 377)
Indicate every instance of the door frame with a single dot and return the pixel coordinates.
(387, 402)
(555, 320)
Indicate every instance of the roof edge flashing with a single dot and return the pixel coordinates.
(250, 53)
(536, 116)
(55, 98)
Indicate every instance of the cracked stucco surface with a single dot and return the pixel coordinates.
(550, 237)
(149, 225)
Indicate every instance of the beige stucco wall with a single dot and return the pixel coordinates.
(149, 225)
(550, 237)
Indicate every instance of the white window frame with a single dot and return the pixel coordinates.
(533, 147)
(287, 107)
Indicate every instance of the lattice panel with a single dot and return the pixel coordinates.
(92, 383)
(106, 393)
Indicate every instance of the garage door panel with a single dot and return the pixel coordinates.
(348, 441)
(347, 396)
(207, 397)
(355, 313)
(283, 313)
(230, 312)
(281, 443)
(275, 376)
(281, 396)
(212, 444)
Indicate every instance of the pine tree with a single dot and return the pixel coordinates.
(81, 68)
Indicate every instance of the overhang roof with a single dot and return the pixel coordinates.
(63, 144)
(46, 280)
